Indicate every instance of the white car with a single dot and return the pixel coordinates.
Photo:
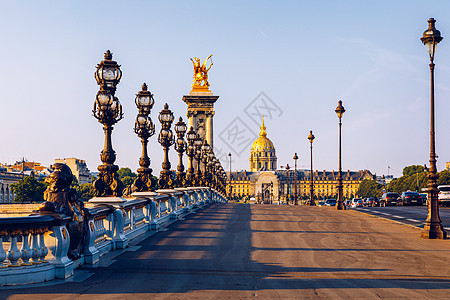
(444, 195)
(358, 203)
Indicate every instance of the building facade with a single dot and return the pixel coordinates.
(265, 183)
(79, 169)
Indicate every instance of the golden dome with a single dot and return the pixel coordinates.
(262, 143)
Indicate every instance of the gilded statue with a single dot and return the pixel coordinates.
(201, 72)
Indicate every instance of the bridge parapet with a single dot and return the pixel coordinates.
(35, 248)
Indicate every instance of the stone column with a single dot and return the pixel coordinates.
(209, 128)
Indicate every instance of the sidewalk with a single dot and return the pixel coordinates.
(240, 251)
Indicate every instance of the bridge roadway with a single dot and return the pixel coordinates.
(245, 251)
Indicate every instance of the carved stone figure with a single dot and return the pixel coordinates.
(65, 201)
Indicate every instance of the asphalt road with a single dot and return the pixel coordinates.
(236, 251)
(411, 215)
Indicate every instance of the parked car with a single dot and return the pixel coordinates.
(424, 198)
(444, 195)
(321, 203)
(411, 198)
(330, 202)
(389, 198)
(354, 200)
(357, 203)
(368, 201)
(347, 202)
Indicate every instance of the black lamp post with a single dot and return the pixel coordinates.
(210, 167)
(198, 154)
(216, 174)
(144, 128)
(190, 152)
(295, 178)
(205, 156)
(166, 139)
(288, 187)
(108, 111)
(433, 228)
(311, 185)
(230, 187)
(340, 203)
(180, 147)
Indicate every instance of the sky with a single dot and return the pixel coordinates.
(291, 61)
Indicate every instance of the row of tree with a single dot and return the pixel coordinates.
(414, 179)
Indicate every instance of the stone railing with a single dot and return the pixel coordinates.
(35, 248)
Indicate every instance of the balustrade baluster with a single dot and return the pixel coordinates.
(13, 253)
(35, 250)
(25, 249)
(2, 253)
(44, 251)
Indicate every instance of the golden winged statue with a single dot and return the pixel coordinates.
(201, 73)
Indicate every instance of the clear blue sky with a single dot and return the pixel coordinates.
(304, 55)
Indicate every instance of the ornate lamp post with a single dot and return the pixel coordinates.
(144, 128)
(198, 153)
(108, 111)
(340, 203)
(205, 157)
(190, 151)
(295, 178)
(180, 147)
(433, 227)
(210, 168)
(288, 191)
(166, 139)
(311, 185)
(230, 187)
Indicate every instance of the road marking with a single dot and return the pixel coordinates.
(412, 220)
(383, 213)
(397, 217)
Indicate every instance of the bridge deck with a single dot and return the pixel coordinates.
(237, 251)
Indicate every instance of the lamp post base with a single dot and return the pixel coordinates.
(433, 231)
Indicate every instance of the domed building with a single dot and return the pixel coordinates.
(262, 153)
(264, 183)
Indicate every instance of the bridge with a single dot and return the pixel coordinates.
(224, 250)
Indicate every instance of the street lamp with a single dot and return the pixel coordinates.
(295, 178)
(433, 227)
(180, 147)
(288, 191)
(230, 188)
(108, 111)
(144, 128)
(166, 139)
(190, 151)
(311, 185)
(340, 203)
(198, 153)
(205, 155)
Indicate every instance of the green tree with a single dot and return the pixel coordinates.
(33, 190)
(369, 188)
(414, 179)
(126, 176)
(411, 170)
(444, 178)
(85, 191)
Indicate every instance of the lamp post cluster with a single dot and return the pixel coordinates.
(108, 111)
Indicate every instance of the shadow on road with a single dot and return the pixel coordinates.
(212, 250)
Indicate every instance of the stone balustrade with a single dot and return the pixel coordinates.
(35, 248)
